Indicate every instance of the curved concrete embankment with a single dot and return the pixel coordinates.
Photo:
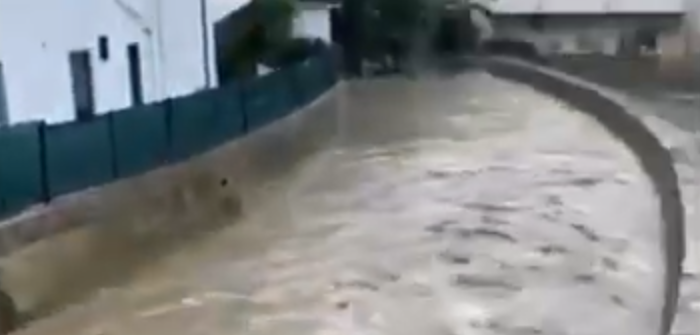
(104, 236)
(442, 205)
(448, 199)
(655, 158)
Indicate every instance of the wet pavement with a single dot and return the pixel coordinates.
(463, 205)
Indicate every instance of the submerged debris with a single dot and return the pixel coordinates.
(553, 249)
(477, 281)
(587, 232)
(468, 233)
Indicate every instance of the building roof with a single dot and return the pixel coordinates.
(585, 6)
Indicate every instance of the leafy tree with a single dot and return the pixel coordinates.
(411, 22)
(393, 27)
(292, 52)
(456, 32)
(275, 19)
(400, 16)
(255, 31)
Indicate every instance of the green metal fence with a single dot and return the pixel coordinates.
(39, 162)
(140, 138)
(21, 170)
(78, 155)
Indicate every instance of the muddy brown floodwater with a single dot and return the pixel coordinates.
(462, 205)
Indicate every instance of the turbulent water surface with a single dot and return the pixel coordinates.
(464, 205)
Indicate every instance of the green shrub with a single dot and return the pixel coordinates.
(294, 51)
(260, 28)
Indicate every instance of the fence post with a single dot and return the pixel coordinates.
(295, 83)
(44, 164)
(243, 101)
(112, 138)
(168, 105)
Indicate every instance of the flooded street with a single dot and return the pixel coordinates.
(463, 205)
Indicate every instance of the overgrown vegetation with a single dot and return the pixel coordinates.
(391, 31)
(393, 26)
(261, 33)
(381, 31)
(455, 33)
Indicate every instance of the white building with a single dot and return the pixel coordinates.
(590, 26)
(313, 20)
(37, 36)
(693, 25)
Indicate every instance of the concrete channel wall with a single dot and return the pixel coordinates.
(64, 251)
(43, 163)
(111, 232)
(655, 158)
(120, 228)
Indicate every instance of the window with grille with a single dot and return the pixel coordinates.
(83, 86)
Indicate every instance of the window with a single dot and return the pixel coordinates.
(83, 89)
(536, 22)
(133, 55)
(647, 39)
(103, 48)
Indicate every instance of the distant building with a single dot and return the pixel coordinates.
(313, 20)
(63, 59)
(611, 27)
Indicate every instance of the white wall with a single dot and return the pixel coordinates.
(693, 21)
(314, 22)
(590, 6)
(563, 38)
(683, 60)
(565, 34)
(36, 36)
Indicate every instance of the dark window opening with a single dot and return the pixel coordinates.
(536, 22)
(647, 39)
(337, 26)
(103, 47)
(133, 55)
(82, 84)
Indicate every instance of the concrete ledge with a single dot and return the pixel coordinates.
(655, 158)
(66, 251)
